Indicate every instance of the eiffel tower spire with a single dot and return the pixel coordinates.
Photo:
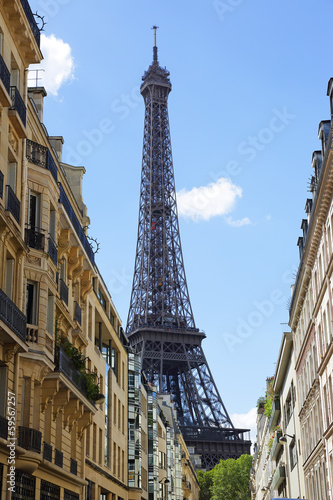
(160, 324)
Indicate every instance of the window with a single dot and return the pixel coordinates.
(31, 302)
(15, 76)
(34, 210)
(11, 176)
(52, 224)
(50, 314)
(9, 277)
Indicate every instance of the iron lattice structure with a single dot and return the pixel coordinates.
(160, 324)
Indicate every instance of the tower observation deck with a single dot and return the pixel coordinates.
(160, 325)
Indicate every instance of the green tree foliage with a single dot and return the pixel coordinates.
(229, 480)
(206, 483)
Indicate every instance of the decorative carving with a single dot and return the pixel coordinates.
(86, 284)
(83, 422)
(64, 243)
(75, 263)
(50, 387)
(59, 402)
(34, 260)
(12, 139)
(73, 410)
(77, 272)
(10, 352)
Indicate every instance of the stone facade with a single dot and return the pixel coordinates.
(66, 371)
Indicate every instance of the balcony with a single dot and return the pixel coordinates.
(76, 224)
(4, 84)
(30, 439)
(63, 291)
(279, 477)
(31, 20)
(66, 366)
(41, 156)
(275, 413)
(18, 113)
(77, 313)
(1, 184)
(53, 252)
(12, 317)
(13, 204)
(34, 238)
(276, 446)
(3, 428)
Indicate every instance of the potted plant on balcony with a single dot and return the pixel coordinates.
(78, 359)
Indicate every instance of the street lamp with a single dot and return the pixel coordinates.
(164, 480)
(283, 439)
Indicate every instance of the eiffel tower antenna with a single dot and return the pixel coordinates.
(160, 325)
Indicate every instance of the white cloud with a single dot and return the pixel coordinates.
(202, 203)
(58, 64)
(246, 421)
(239, 222)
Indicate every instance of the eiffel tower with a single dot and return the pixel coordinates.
(160, 324)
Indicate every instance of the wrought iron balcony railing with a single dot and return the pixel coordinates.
(76, 224)
(66, 366)
(18, 105)
(4, 74)
(41, 156)
(53, 250)
(58, 458)
(1, 184)
(13, 204)
(12, 316)
(47, 452)
(30, 439)
(77, 313)
(3, 428)
(34, 237)
(63, 291)
(31, 20)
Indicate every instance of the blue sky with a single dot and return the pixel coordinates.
(249, 90)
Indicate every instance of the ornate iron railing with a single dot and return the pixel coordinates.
(73, 466)
(76, 224)
(1, 184)
(4, 74)
(65, 365)
(34, 238)
(63, 291)
(53, 250)
(49, 491)
(30, 439)
(3, 428)
(77, 313)
(18, 104)
(13, 204)
(31, 20)
(47, 452)
(12, 316)
(58, 458)
(41, 156)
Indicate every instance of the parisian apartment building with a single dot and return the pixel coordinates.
(78, 419)
(294, 450)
